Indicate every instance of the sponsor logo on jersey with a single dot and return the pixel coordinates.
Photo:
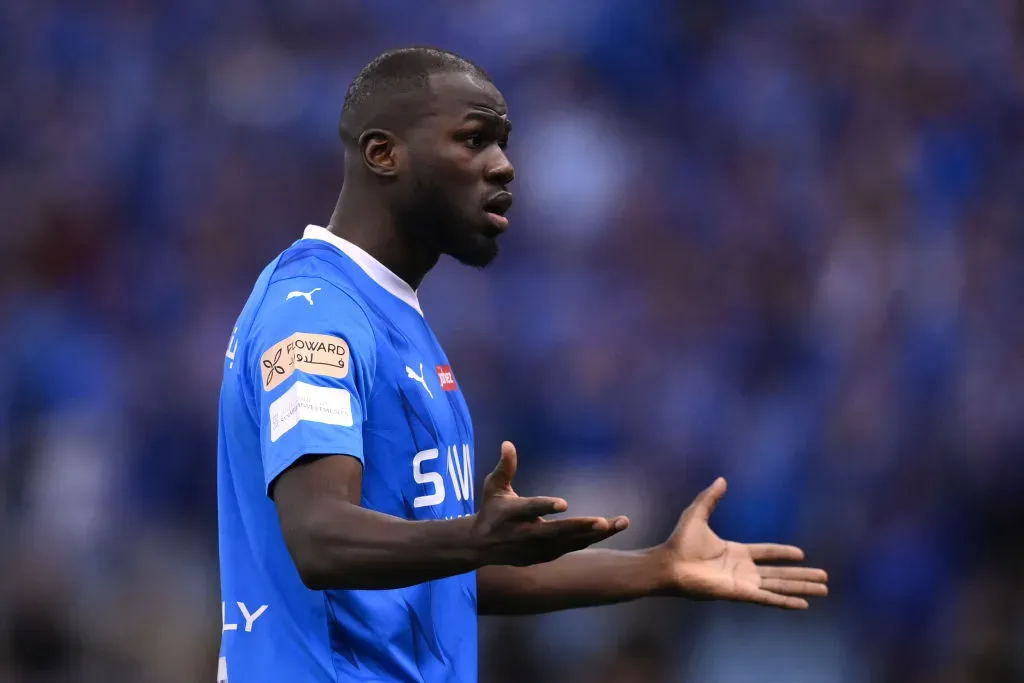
(309, 403)
(447, 379)
(314, 354)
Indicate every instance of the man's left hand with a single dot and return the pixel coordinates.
(702, 566)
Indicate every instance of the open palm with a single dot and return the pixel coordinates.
(705, 567)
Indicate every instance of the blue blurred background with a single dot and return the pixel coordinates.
(778, 241)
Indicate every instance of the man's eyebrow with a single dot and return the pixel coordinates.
(492, 118)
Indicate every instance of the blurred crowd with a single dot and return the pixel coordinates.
(777, 241)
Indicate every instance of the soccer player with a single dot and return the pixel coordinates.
(352, 544)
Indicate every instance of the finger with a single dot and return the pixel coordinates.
(531, 508)
(707, 500)
(508, 463)
(794, 574)
(615, 526)
(763, 597)
(579, 526)
(609, 527)
(576, 537)
(787, 587)
(773, 552)
(597, 524)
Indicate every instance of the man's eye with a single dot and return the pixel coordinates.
(475, 141)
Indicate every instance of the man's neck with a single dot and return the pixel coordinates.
(369, 226)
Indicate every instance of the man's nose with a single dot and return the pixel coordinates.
(501, 172)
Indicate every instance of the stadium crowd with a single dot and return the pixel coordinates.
(778, 241)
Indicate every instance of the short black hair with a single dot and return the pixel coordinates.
(373, 98)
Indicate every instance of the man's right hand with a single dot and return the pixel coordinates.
(510, 530)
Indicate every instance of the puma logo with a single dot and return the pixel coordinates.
(308, 296)
(419, 378)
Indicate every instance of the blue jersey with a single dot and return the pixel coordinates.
(331, 355)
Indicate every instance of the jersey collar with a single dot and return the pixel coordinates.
(376, 270)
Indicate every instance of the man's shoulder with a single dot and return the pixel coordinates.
(316, 260)
(306, 292)
(314, 272)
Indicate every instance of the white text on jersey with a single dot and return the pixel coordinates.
(460, 472)
(250, 617)
(232, 348)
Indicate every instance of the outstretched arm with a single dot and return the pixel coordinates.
(580, 579)
(694, 562)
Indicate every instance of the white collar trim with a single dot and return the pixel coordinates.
(376, 270)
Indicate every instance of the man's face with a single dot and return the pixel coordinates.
(456, 192)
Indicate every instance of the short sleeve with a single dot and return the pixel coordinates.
(311, 359)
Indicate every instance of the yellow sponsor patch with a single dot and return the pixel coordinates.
(314, 354)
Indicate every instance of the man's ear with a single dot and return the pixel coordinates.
(382, 152)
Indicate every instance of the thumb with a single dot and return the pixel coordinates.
(505, 471)
(706, 501)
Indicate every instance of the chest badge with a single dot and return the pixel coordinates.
(447, 379)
